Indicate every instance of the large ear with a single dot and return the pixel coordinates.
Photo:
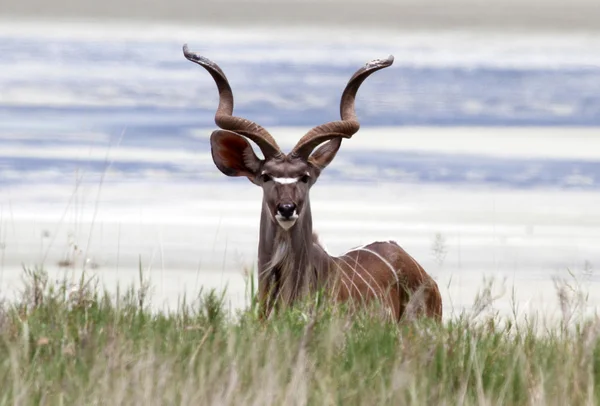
(233, 154)
(325, 153)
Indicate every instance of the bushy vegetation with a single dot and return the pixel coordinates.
(77, 345)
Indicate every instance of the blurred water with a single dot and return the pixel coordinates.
(87, 87)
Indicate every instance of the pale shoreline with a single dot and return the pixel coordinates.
(197, 239)
(528, 15)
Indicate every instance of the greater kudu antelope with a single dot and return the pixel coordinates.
(291, 262)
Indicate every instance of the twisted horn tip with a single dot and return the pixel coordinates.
(186, 52)
(194, 57)
(201, 60)
(380, 63)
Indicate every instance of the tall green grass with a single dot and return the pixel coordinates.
(64, 344)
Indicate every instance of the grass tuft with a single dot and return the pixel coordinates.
(72, 343)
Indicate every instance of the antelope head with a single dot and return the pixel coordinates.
(285, 178)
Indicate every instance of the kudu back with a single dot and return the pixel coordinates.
(291, 262)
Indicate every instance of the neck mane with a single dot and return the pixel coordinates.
(291, 262)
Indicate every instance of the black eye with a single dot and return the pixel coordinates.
(265, 178)
(304, 178)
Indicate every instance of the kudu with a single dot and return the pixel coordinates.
(291, 261)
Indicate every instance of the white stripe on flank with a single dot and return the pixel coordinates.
(285, 181)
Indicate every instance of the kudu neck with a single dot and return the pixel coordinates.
(286, 258)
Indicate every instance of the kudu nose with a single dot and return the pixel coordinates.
(286, 210)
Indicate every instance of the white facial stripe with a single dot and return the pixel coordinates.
(285, 181)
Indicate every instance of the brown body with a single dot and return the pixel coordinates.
(384, 270)
(291, 262)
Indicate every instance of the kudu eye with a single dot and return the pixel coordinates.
(304, 178)
(265, 177)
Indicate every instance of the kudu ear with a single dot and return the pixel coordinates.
(233, 154)
(325, 153)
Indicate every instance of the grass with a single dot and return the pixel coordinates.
(64, 344)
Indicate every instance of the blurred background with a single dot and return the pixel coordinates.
(479, 150)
